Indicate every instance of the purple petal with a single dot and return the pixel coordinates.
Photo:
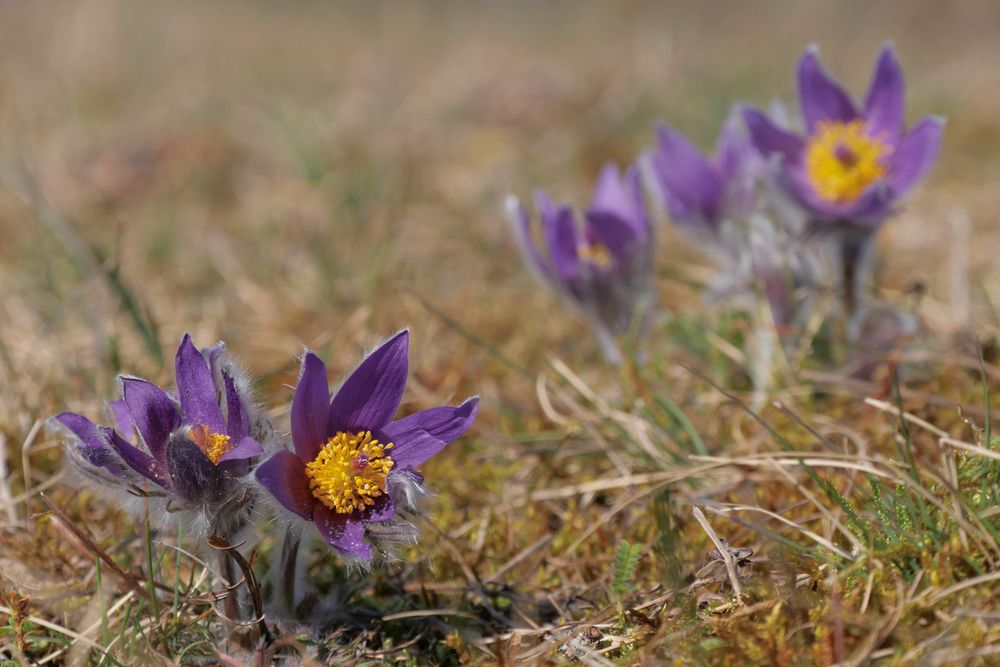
(769, 139)
(886, 95)
(194, 477)
(644, 223)
(239, 422)
(686, 175)
(915, 154)
(92, 445)
(215, 355)
(520, 221)
(617, 217)
(196, 388)
(559, 229)
(86, 431)
(371, 394)
(820, 96)
(310, 408)
(137, 459)
(612, 194)
(122, 421)
(246, 448)
(872, 206)
(284, 476)
(384, 509)
(420, 436)
(342, 532)
(612, 232)
(155, 416)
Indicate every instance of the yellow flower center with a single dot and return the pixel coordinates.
(214, 445)
(597, 254)
(349, 472)
(843, 160)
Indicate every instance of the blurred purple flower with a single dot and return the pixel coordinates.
(853, 164)
(353, 468)
(603, 266)
(190, 447)
(702, 192)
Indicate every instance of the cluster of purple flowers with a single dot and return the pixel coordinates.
(756, 206)
(208, 454)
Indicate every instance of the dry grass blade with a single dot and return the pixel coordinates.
(89, 548)
(723, 549)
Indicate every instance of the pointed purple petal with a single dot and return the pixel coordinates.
(155, 416)
(884, 105)
(137, 459)
(520, 222)
(310, 408)
(246, 448)
(617, 216)
(371, 394)
(686, 175)
(92, 443)
(342, 532)
(612, 194)
(559, 231)
(644, 226)
(284, 476)
(239, 422)
(215, 355)
(769, 139)
(85, 430)
(420, 436)
(122, 421)
(196, 388)
(820, 96)
(915, 154)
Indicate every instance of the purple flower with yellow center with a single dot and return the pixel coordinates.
(188, 447)
(853, 164)
(603, 266)
(354, 468)
(702, 192)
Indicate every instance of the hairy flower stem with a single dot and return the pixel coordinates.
(855, 248)
(230, 603)
(609, 346)
(225, 527)
(285, 577)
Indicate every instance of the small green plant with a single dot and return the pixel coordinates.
(627, 557)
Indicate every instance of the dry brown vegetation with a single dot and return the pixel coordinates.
(317, 175)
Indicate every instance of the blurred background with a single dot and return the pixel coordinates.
(280, 174)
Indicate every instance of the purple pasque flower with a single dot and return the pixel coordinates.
(853, 164)
(353, 464)
(702, 192)
(602, 265)
(189, 447)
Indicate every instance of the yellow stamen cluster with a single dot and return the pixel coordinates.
(214, 445)
(595, 253)
(349, 472)
(843, 160)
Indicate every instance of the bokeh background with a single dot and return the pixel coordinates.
(322, 174)
(283, 174)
